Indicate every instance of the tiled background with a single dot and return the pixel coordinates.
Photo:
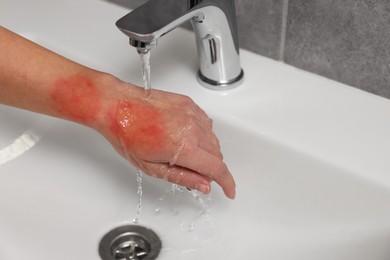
(345, 40)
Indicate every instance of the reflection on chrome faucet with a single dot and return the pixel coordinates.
(215, 27)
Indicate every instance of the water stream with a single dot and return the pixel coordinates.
(139, 194)
(145, 63)
(144, 54)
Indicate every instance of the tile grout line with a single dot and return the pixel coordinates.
(283, 32)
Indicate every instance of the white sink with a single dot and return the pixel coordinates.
(310, 157)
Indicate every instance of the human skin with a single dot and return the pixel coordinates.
(166, 136)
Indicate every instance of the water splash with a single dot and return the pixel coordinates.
(203, 212)
(193, 227)
(176, 189)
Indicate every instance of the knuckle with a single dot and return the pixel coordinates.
(186, 100)
(179, 177)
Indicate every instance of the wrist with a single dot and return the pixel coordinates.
(112, 91)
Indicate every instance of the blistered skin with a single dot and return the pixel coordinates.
(76, 98)
(138, 126)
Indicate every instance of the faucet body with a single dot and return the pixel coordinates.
(215, 26)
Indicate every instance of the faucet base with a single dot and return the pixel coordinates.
(220, 85)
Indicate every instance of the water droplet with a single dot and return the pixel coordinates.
(157, 211)
(191, 227)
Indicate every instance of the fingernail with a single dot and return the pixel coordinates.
(231, 195)
(205, 189)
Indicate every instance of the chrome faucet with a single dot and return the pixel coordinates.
(215, 26)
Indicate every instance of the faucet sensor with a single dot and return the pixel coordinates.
(215, 26)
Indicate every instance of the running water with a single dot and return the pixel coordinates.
(139, 194)
(144, 54)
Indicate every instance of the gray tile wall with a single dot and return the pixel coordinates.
(260, 26)
(345, 40)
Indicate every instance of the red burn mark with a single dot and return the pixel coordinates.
(137, 125)
(76, 98)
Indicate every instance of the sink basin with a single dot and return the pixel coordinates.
(71, 187)
(309, 155)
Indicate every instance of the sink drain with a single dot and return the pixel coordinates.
(130, 243)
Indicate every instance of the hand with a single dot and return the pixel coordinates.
(166, 136)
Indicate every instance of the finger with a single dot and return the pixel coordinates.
(206, 126)
(199, 135)
(207, 164)
(179, 175)
(199, 112)
(196, 135)
(211, 146)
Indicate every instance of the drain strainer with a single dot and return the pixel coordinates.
(130, 243)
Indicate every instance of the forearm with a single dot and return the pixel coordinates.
(36, 79)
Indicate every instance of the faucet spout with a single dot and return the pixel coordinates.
(215, 27)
